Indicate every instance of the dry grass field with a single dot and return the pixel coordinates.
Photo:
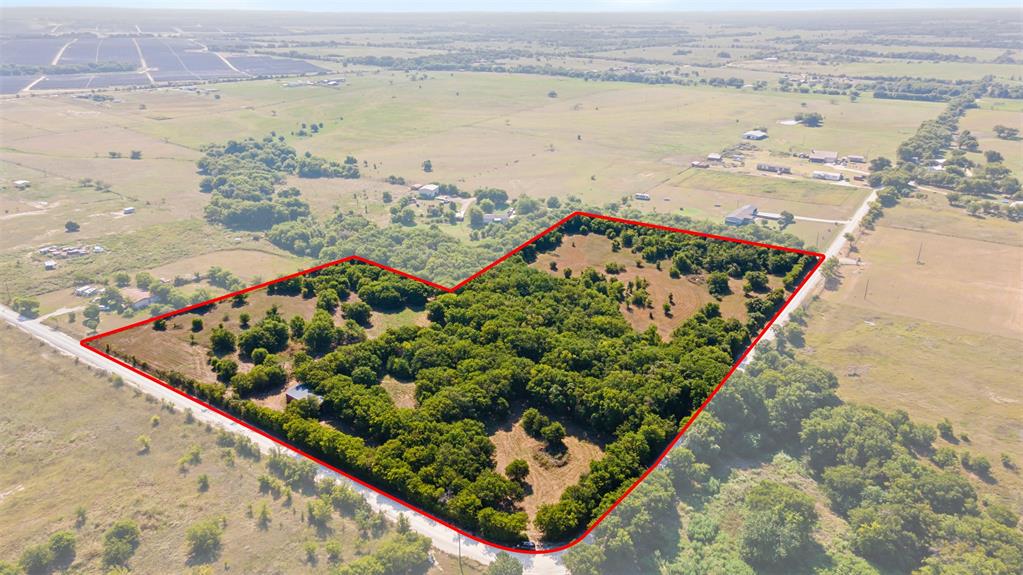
(86, 431)
(181, 349)
(963, 283)
(547, 479)
(690, 293)
(941, 338)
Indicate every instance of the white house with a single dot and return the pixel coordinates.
(428, 192)
(830, 176)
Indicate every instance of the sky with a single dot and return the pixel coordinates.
(522, 5)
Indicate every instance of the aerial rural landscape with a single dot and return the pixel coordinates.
(867, 161)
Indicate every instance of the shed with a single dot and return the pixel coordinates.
(644, 197)
(714, 157)
(755, 135)
(856, 159)
(22, 184)
(128, 210)
(699, 164)
(49, 265)
(742, 216)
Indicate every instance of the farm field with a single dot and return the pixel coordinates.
(90, 427)
(894, 68)
(977, 278)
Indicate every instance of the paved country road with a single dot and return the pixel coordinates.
(443, 538)
(814, 282)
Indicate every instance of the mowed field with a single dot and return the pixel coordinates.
(941, 338)
(86, 433)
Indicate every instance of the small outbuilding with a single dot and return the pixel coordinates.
(713, 157)
(300, 391)
(136, 298)
(642, 196)
(22, 184)
(755, 135)
(127, 211)
(49, 265)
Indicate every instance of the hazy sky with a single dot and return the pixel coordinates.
(519, 5)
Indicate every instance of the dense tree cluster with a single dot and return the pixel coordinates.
(244, 178)
(873, 468)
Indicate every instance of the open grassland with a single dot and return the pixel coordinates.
(962, 283)
(87, 431)
(596, 140)
(600, 141)
(249, 264)
(929, 212)
(930, 369)
(981, 122)
(940, 338)
(131, 251)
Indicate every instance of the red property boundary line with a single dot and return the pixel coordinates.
(820, 260)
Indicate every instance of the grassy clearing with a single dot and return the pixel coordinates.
(770, 187)
(131, 251)
(690, 293)
(981, 123)
(546, 480)
(88, 429)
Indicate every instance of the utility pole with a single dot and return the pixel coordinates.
(865, 288)
(918, 253)
(460, 554)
